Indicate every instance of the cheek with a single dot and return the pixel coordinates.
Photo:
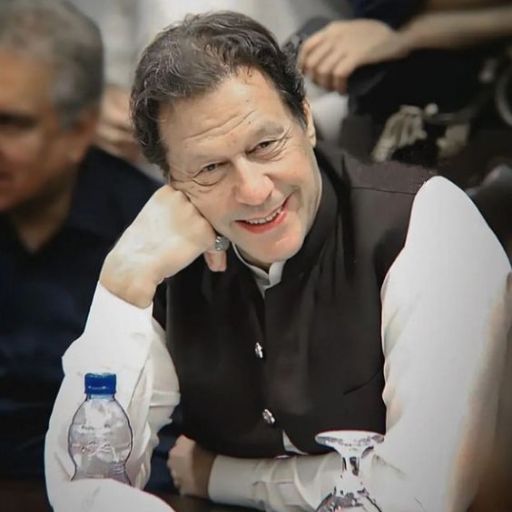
(301, 175)
(298, 165)
(195, 193)
(212, 204)
(21, 152)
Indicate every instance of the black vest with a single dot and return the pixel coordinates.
(319, 328)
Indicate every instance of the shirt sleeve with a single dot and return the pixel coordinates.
(446, 303)
(446, 317)
(125, 340)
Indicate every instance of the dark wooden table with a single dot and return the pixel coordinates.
(30, 496)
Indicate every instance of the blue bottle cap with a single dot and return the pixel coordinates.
(100, 383)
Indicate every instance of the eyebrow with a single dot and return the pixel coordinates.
(269, 129)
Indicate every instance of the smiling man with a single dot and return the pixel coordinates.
(352, 297)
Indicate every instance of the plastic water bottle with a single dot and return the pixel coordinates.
(100, 436)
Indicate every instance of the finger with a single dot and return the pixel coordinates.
(125, 128)
(180, 442)
(115, 107)
(131, 152)
(116, 117)
(324, 74)
(341, 72)
(114, 132)
(309, 45)
(316, 57)
(109, 148)
(177, 484)
(128, 151)
(339, 84)
(216, 260)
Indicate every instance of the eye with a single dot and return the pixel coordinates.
(16, 124)
(211, 173)
(210, 168)
(266, 144)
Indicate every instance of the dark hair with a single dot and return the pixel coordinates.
(191, 58)
(57, 33)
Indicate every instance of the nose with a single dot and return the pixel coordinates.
(252, 185)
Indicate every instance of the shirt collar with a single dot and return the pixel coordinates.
(264, 279)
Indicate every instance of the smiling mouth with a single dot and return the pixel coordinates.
(261, 224)
(267, 219)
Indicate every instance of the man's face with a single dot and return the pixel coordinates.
(246, 164)
(36, 153)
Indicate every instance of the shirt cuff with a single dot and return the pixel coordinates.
(231, 481)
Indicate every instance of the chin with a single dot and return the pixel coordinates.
(281, 251)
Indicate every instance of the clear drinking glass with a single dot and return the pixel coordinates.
(351, 493)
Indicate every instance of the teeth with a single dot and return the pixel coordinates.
(265, 220)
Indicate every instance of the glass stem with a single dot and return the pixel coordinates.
(351, 483)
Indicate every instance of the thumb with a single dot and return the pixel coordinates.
(216, 260)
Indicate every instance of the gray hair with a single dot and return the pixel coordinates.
(57, 33)
(191, 58)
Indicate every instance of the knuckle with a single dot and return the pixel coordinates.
(323, 71)
(307, 45)
(339, 74)
(308, 68)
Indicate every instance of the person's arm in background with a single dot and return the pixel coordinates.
(456, 29)
(447, 5)
(116, 20)
(446, 314)
(332, 54)
(115, 132)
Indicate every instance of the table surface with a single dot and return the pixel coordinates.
(30, 496)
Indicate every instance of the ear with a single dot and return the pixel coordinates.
(81, 134)
(310, 125)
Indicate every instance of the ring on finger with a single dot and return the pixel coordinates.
(221, 243)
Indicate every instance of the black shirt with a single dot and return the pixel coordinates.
(45, 298)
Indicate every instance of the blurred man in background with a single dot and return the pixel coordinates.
(63, 204)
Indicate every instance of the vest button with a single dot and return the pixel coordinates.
(258, 350)
(268, 417)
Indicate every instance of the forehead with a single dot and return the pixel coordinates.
(244, 104)
(24, 82)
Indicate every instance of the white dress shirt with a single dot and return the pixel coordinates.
(446, 304)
